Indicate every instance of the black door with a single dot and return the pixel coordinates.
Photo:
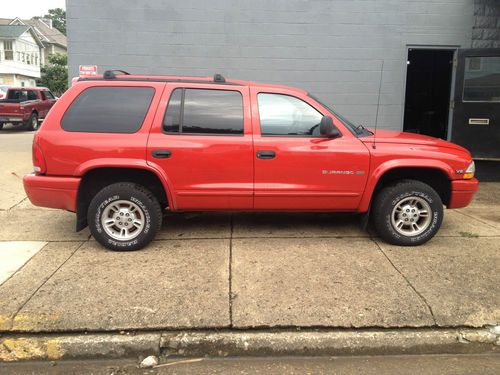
(476, 114)
(428, 90)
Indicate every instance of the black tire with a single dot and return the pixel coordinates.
(1, 125)
(396, 195)
(33, 123)
(150, 214)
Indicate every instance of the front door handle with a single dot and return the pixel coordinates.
(162, 154)
(266, 154)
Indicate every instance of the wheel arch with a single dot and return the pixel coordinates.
(96, 178)
(432, 172)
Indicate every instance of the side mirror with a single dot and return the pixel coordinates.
(327, 129)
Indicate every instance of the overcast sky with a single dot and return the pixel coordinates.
(28, 8)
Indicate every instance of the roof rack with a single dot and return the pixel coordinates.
(111, 74)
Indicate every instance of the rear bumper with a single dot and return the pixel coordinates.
(51, 191)
(11, 118)
(462, 192)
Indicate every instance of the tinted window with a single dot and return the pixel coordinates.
(108, 110)
(172, 120)
(287, 115)
(205, 112)
(32, 95)
(49, 95)
(21, 95)
(482, 79)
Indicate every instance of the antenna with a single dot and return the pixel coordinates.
(374, 146)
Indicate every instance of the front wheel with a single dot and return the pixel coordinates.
(124, 216)
(407, 213)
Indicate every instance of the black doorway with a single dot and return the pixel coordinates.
(428, 88)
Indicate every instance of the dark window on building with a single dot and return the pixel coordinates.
(108, 110)
(172, 120)
(204, 111)
(482, 79)
(286, 115)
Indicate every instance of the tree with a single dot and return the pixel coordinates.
(58, 17)
(55, 74)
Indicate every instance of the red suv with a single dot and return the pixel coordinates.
(119, 149)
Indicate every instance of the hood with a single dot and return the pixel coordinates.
(391, 136)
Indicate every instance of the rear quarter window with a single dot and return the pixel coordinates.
(108, 110)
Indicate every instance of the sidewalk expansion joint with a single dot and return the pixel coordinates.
(422, 298)
(231, 273)
(478, 219)
(18, 203)
(43, 283)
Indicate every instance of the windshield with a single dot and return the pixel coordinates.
(357, 130)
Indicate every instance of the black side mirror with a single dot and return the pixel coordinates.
(327, 129)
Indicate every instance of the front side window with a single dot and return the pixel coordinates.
(287, 116)
(108, 110)
(204, 111)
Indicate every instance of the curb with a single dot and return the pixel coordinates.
(249, 343)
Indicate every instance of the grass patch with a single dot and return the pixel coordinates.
(469, 234)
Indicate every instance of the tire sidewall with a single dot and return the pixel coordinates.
(100, 234)
(437, 217)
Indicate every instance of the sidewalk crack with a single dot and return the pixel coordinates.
(422, 298)
(43, 283)
(230, 273)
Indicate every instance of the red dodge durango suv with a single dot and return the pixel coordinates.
(118, 149)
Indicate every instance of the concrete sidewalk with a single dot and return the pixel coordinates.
(250, 271)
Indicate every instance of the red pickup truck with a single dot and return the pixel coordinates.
(119, 149)
(25, 106)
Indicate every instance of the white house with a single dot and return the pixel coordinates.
(20, 55)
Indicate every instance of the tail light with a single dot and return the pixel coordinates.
(39, 165)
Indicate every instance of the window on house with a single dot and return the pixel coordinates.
(204, 111)
(8, 52)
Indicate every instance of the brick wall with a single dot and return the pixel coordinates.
(332, 48)
(486, 31)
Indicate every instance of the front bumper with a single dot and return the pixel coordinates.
(462, 192)
(52, 191)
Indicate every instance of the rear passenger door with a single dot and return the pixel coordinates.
(202, 140)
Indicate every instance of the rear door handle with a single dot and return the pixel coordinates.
(266, 154)
(162, 154)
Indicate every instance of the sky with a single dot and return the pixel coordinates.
(28, 8)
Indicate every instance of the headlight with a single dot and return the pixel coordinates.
(469, 172)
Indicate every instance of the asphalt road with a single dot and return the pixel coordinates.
(388, 365)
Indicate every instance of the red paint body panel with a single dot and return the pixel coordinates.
(51, 191)
(214, 172)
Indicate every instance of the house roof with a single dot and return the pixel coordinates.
(45, 33)
(13, 31)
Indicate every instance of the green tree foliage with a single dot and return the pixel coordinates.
(55, 74)
(58, 17)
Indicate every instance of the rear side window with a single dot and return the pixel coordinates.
(204, 111)
(108, 110)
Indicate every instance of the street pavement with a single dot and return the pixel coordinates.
(244, 271)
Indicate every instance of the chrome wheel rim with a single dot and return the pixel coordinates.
(34, 123)
(411, 216)
(123, 220)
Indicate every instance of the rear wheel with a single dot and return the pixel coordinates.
(407, 213)
(124, 216)
(1, 125)
(33, 123)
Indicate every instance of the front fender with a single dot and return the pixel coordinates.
(389, 165)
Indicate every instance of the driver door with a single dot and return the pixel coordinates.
(295, 167)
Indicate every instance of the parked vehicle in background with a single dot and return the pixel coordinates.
(148, 143)
(25, 106)
(3, 91)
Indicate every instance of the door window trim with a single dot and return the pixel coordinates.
(181, 115)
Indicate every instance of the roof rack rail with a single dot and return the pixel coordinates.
(219, 78)
(111, 74)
